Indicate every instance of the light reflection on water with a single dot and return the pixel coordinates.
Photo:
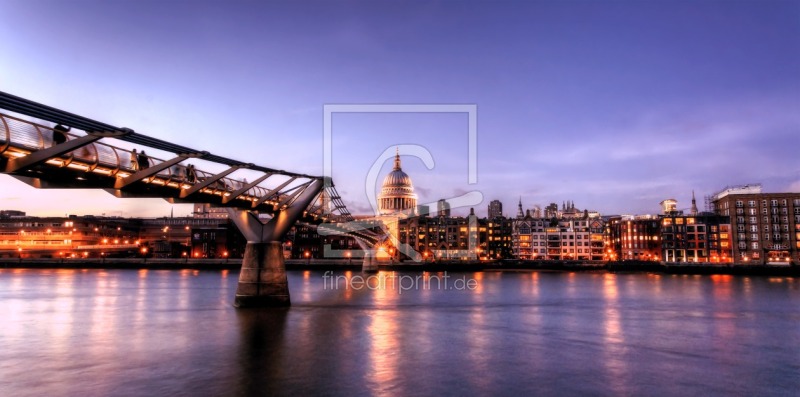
(146, 332)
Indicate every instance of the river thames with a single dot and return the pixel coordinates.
(149, 332)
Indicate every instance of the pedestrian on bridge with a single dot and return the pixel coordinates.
(60, 134)
(144, 161)
(134, 160)
(191, 175)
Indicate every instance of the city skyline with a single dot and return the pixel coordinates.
(615, 106)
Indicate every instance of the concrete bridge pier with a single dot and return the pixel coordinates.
(262, 280)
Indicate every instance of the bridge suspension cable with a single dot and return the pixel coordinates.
(41, 155)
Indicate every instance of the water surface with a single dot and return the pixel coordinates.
(134, 333)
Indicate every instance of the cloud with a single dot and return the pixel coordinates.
(359, 208)
(423, 191)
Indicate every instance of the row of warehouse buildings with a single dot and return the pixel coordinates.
(741, 225)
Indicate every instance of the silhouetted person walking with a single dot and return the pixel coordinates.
(191, 176)
(144, 161)
(135, 160)
(60, 134)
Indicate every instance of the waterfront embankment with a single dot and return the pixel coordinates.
(460, 266)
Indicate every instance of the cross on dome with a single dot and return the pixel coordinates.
(397, 159)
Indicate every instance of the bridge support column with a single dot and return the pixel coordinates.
(370, 265)
(262, 280)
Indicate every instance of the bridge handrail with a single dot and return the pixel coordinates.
(29, 136)
(8, 136)
(97, 154)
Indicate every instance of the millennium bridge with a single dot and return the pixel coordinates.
(49, 148)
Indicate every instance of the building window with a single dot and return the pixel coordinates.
(739, 204)
(751, 203)
(755, 245)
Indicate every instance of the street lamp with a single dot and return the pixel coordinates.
(188, 237)
(308, 258)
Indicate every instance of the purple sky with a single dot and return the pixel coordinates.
(615, 105)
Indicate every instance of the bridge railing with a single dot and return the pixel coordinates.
(19, 137)
(22, 138)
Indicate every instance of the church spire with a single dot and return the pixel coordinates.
(520, 215)
(397, 159)
(694, 204)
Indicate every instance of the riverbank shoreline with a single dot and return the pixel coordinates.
(460, 266)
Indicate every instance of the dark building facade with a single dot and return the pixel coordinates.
(634, 238)
(495, 210)
(499, 244)
(704, 237)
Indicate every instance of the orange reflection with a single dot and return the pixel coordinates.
(384, 352)
(479, 278)
(614, 361)
(610, 287)
(721, 278)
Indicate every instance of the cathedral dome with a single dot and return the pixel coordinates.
(397, 178)
(397, 192)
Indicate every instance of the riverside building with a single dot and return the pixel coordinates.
(765, 227)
